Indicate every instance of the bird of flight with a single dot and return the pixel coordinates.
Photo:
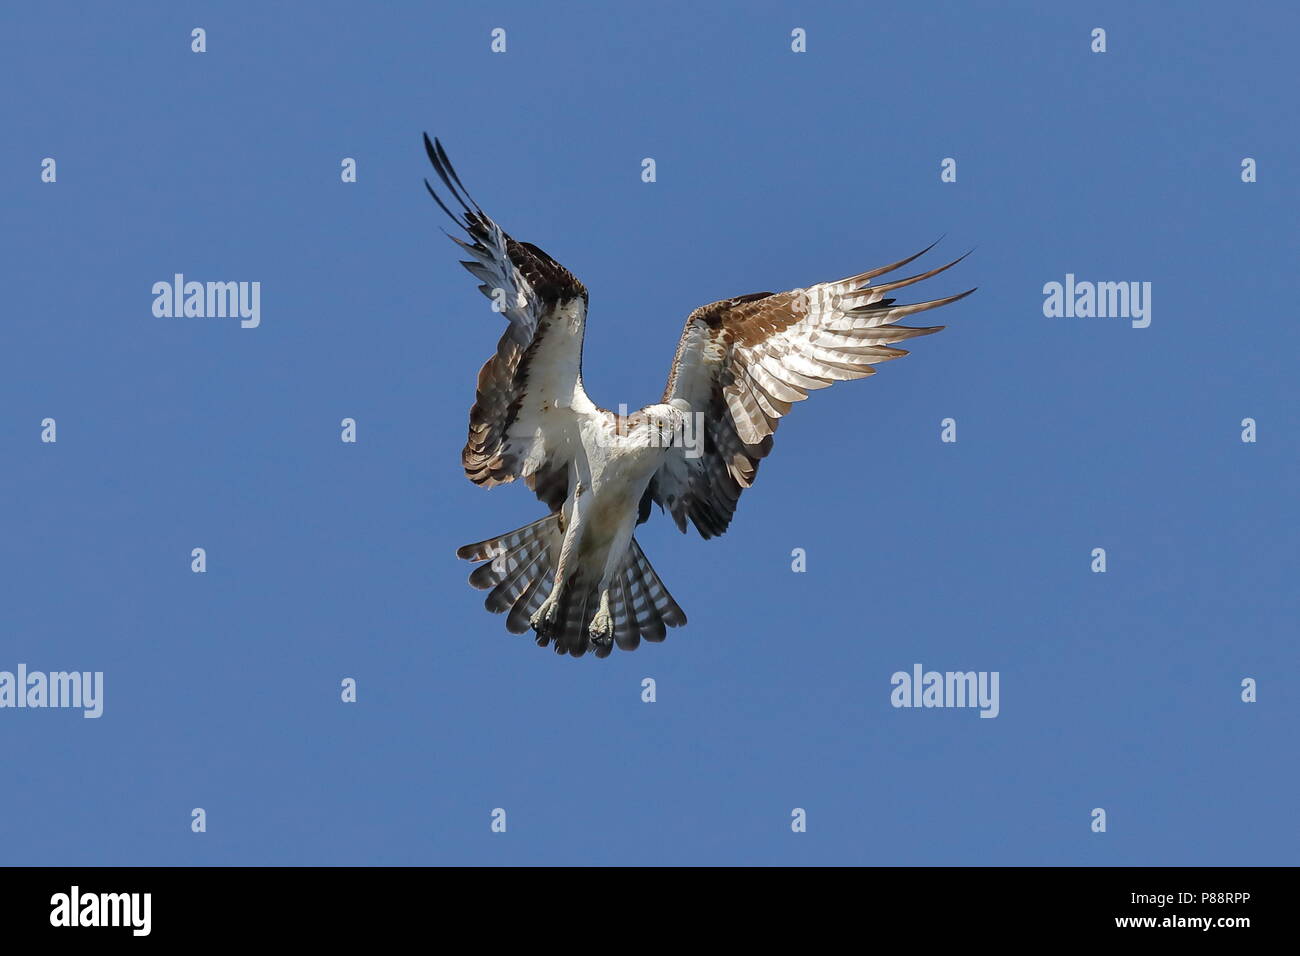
(577, 577)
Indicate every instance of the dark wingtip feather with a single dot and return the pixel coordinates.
(443, 206)
(919, 277)
(882, 270)
(442, 164)
(446, 162)
(437, 157)
(915, 307)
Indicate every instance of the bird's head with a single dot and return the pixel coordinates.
(669, 422)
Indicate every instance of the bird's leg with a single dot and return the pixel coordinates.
(543, 620)
(602, 625)
(601, 629)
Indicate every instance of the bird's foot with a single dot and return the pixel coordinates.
(602, 625)
(543, 622)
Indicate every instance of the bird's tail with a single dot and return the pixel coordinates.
(648, 607)
(520, 571)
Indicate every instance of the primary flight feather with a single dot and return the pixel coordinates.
(577, 577)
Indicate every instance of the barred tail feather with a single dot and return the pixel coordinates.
(626, 634)
(511, 540)
(518, 563)
(518, 621)
(519, 574)
(651, 607)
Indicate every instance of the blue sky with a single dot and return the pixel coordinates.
(774, 170)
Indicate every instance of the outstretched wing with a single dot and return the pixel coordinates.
(742, 362)
(537, 365)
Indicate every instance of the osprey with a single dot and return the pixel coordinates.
(577, 577)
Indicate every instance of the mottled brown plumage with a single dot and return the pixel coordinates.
(757, 355)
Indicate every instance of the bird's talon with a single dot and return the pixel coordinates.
(602, 628)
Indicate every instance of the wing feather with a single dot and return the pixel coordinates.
(537, 364)
(744, 361)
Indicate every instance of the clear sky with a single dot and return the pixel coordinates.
(1118, 690)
